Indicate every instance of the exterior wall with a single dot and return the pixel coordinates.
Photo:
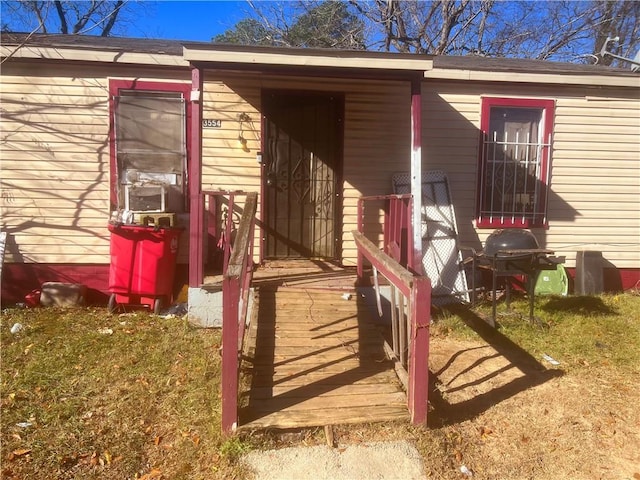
(55, 156)
(55, 164)
(376, 137)
(594, 202)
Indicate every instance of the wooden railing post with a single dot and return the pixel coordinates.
(417, 289)
(419, 350)
(230, 362)
(235, 292)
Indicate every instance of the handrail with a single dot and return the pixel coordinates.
(410, 323)
(235, 294)
(223, 235)
(397, 236)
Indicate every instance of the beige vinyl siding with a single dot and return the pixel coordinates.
(55, 160)
(377, 145)
(55, 154)
(226, 165)
(55, 166)
(376, 137)
(594, 202)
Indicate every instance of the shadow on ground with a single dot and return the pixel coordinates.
(583, 305)
(465, 379)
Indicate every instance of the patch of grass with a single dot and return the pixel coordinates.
(89, 395)
(233, 448)
(599, 331)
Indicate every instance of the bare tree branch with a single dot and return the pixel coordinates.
(63, 20)
(112, 18)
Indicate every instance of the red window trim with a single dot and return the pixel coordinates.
(548, 108)
(115, 86)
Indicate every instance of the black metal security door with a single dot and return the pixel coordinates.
(302, 141)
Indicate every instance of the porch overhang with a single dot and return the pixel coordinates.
(239, 57)
(316, 63)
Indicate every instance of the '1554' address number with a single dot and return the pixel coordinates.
(208, 123)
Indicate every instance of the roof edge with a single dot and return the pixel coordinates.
(563, 77)
(298, 57)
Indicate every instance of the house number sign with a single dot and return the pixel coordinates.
(209, 123)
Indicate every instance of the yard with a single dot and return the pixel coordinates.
(89, 395)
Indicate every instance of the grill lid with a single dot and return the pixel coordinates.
(510, 239)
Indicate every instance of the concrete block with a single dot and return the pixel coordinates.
(60, 294)
(205, 307)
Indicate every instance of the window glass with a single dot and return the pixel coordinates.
(150, 150)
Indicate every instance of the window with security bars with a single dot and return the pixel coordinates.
(515, 162)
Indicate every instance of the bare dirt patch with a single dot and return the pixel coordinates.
(510, 417)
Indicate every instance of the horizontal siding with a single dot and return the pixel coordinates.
(376, 145)
(594, 201)
(226, 163)
(376, 139)
(55, 160)
(55, 167)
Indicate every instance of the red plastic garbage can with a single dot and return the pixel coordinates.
(143, 263)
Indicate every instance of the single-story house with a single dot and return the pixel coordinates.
(93, 128)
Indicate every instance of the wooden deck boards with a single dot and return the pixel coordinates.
(315, 358)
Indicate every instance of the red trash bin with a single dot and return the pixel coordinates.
(143, 263)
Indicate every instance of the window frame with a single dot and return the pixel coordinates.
(547, 107)
(118, 85)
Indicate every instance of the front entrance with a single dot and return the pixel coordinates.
(303, 135)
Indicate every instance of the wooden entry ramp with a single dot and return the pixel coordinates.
(316, 358)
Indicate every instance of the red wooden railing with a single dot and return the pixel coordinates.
(221, 221)
(410, 311)
(235, 293)
(397, 237)
(410, 293)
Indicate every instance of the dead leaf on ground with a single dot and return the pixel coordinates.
(20, 452)
(458, 455)
(485, 432)
(154, 473)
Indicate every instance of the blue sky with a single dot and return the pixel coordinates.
(188, 20)
(171, 19)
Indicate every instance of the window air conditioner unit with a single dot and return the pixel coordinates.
(145, 198)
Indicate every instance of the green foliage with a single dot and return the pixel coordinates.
(246, 32)
(233, 448)
(327, 24)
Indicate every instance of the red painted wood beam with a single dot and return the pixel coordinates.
(196, 202)
(230, 364)
(419, 350)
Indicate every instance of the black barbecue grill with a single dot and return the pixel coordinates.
(513, 254)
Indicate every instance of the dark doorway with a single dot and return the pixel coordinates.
(303, 135)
